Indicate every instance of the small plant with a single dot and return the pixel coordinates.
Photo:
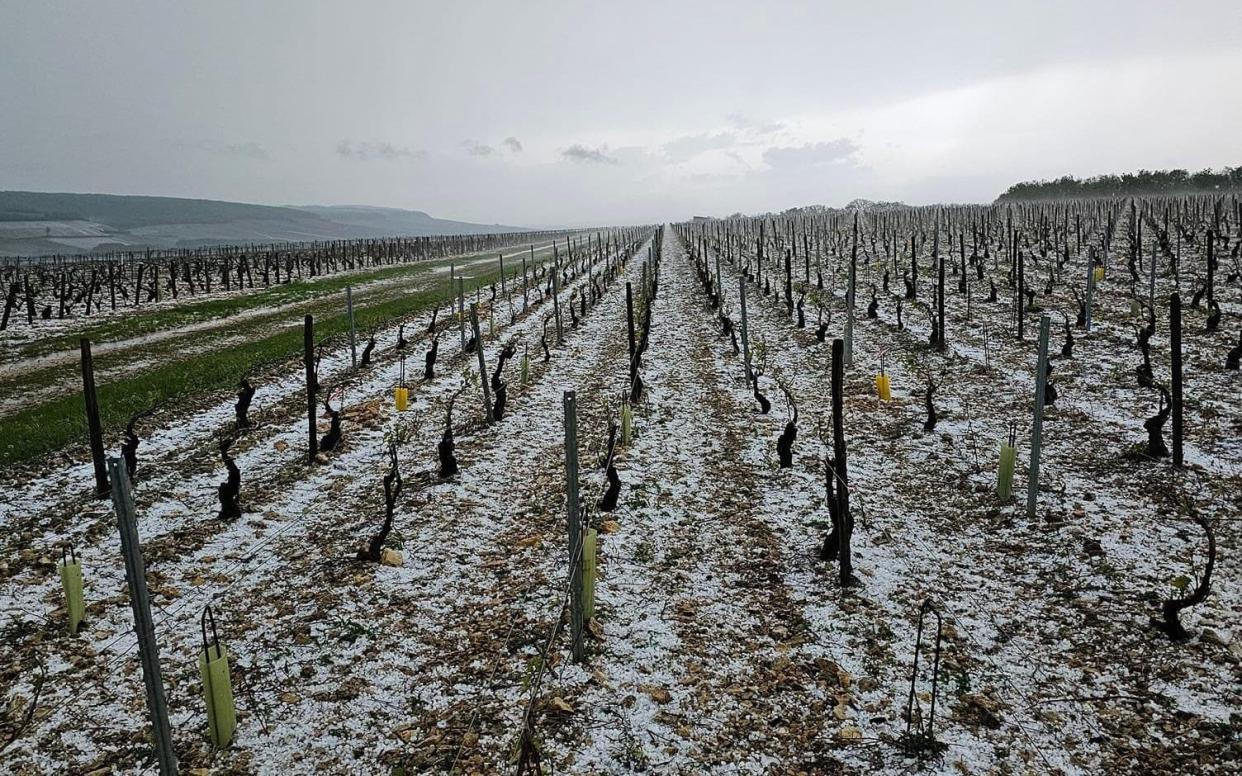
(392, 490)
(366, 352)
(429, 360)
(1213, 319)
(759, 360)
(448, 461)
(1156, 448)
(329, 441)
(1170, 621)
(229, 490)
(1234, 358)
(245, 394)
(784, 444)
(928, 392)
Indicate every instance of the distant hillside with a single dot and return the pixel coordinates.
(1141, 183)
(34, 223)
(395, 221)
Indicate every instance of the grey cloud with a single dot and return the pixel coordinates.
(248, 150)
(475, 148)
(771, 86)
(748, 124)
(373, 149)
(513, 144)
(685, 148)
(837, 151)
(580, 153)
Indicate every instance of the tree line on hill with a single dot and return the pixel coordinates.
(1141, 183)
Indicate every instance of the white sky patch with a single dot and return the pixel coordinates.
(1083, 119)
(950, 102)
(975, 140)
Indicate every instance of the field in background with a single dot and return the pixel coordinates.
(725, 633)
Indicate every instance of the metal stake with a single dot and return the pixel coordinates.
(144, 627)
(1041, 382)
(576, 613)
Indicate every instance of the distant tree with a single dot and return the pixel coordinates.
(1143, 182)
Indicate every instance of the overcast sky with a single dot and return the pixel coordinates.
(540, 113)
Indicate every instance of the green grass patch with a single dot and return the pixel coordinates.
(55, 424)
(141, 323)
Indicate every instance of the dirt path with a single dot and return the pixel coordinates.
(133, 355)
(703, 662)
(10, 367)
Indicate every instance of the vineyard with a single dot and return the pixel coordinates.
(884, 489)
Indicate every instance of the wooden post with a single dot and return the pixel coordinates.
(1151, 284)
(1175, 363)
(555, 298)
(1211, 267)
(1041, 383)
(92, 419)
(629, 323)
(576, 613)
(840, 471)
(524, 285)
(353, 335)
(789, 303)
(1090, 286)
(940, 345)
(961, 244)
(741, 282)
(478, 349)
(1021, 308)
(308, 356)
(144, 626)
(461, 310)
(719, 281)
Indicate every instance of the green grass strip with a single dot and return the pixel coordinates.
(140, 323)
(53, 425)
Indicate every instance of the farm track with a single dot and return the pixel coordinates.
(512, 501)
(701, 659)
(46, 376)
(15, 362)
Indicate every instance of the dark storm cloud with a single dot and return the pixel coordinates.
(373, 149)
(580, 153)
